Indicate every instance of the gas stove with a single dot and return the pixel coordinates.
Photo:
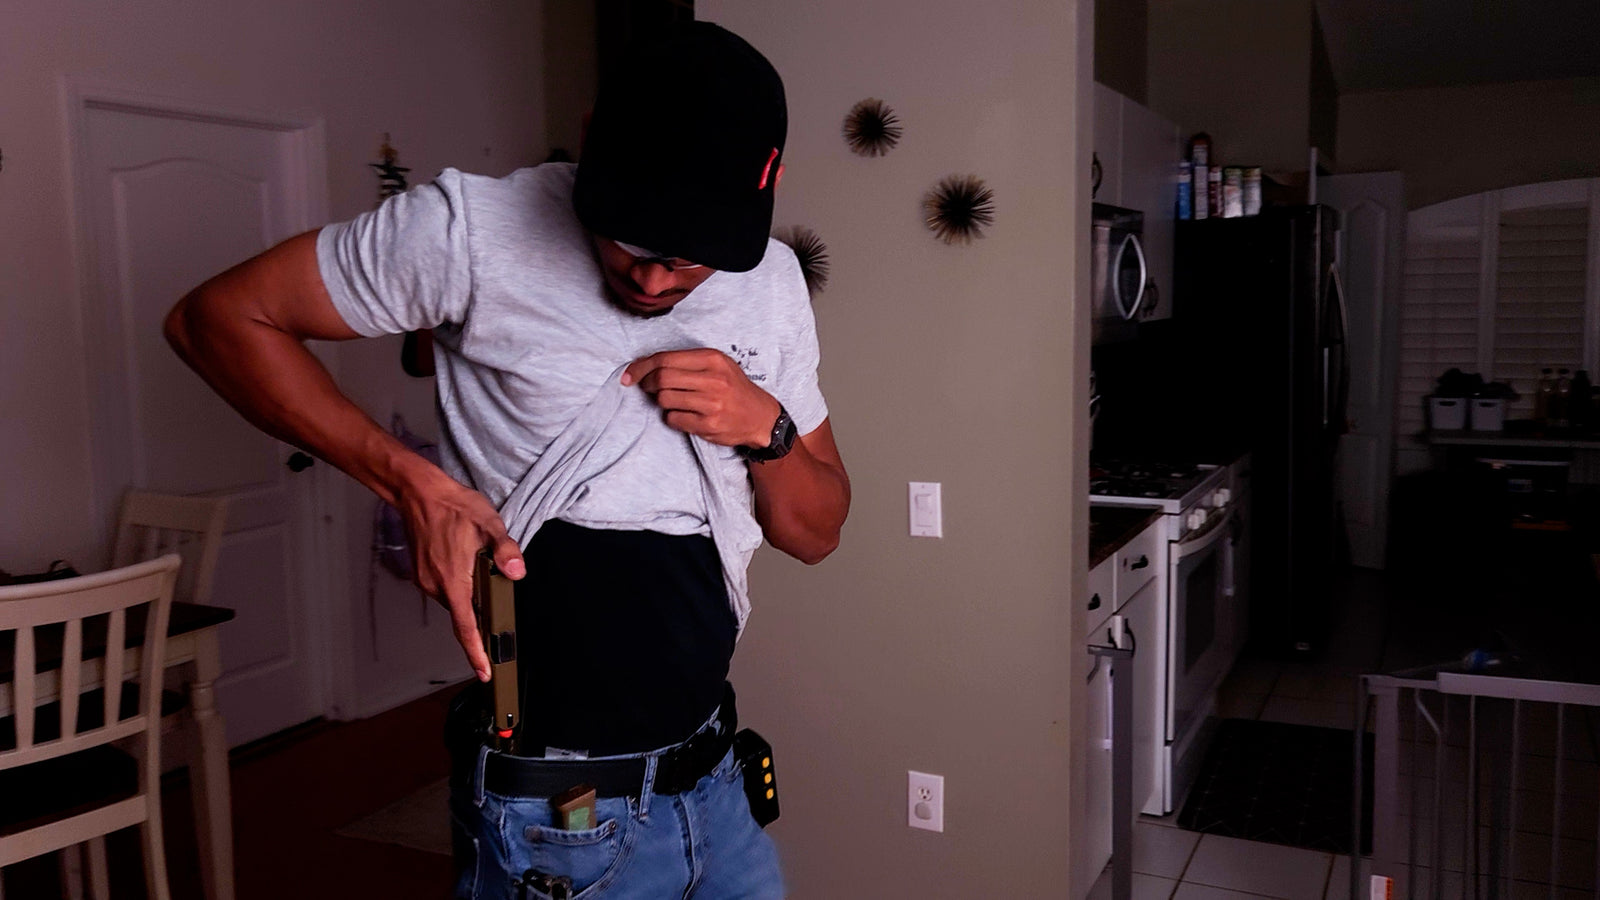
(1197, 626)
(1174, 487)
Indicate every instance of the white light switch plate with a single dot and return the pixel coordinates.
(927, 509)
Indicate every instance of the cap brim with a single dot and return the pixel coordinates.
(676, 220)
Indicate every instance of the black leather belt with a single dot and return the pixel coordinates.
(677, 772)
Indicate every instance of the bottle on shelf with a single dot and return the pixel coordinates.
(1580, 406)
(1558, 399)
(1541, 397)
(1185, 190)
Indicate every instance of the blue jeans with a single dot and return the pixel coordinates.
(698, 845)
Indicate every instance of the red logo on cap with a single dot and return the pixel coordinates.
(767, 170)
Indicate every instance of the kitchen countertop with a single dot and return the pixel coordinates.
(1112, 526)
(1519, 438)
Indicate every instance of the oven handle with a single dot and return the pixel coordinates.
(1192, 545)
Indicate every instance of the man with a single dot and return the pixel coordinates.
(628, 398)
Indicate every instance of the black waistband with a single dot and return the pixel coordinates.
(655, 605)
(677, 771)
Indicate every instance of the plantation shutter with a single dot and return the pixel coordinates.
(1438, 320)
(1540, 296)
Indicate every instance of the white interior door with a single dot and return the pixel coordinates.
(1371, 257)
(167, 200)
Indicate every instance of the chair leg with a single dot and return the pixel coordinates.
(69, 862)
(94, 850)
(155, 855)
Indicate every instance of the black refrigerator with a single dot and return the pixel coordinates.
(1259, 322)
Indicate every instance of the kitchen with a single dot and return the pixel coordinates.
(1248, 403)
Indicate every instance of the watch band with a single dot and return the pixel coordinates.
(783, 437)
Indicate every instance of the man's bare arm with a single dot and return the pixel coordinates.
(244, 330)
(803, 498)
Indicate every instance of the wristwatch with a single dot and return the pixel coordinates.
(783, 437)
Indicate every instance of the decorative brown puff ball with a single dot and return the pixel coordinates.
(959, 209)
(391, 175)
(811, 252)
(871, 128)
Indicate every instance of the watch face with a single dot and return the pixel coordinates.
(784, 434)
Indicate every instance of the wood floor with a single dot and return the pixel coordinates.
(290, 793)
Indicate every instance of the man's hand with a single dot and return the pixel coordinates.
(801, 499)
(448, 524)
(705, 393)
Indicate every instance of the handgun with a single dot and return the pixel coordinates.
(494, 601)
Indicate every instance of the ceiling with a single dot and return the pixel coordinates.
(1379, 45)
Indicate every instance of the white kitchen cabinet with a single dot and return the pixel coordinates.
(1144, 621)
(1101, 603)
(1097, 762)
(1108, 143)
(1138, 562)
(1137, 592)
(1152, 147)
(1097, 766)
(1139, 154)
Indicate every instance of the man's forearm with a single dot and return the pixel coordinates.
(801, 501)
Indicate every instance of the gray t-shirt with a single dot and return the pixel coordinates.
(526, 338)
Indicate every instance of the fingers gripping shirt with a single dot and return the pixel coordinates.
(528, 345)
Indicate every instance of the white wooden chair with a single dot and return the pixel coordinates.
(51, 758)
(151, 524)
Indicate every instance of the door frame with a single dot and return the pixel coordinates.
(322, 546)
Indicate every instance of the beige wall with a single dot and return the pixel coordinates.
(1239, 70)
(457, 85)
(961, 365)
(1454, 141)
(571, 72)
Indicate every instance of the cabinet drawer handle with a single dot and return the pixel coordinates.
(1094, 602)
(1140, 563)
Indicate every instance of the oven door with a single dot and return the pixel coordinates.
(1198, 578)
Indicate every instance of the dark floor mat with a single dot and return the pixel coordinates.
(1285, 784)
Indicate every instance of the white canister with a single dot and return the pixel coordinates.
(1447, 413)
(1488, 414)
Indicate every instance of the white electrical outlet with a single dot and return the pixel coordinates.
(925, 801)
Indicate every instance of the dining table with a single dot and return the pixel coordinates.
(193, 654)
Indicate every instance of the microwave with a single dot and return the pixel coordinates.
(1119, 276)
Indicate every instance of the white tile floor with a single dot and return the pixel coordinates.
(1173, 864)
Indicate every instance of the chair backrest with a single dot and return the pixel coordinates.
(56, 631)
(151, 524)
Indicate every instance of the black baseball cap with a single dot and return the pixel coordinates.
(683, 148)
